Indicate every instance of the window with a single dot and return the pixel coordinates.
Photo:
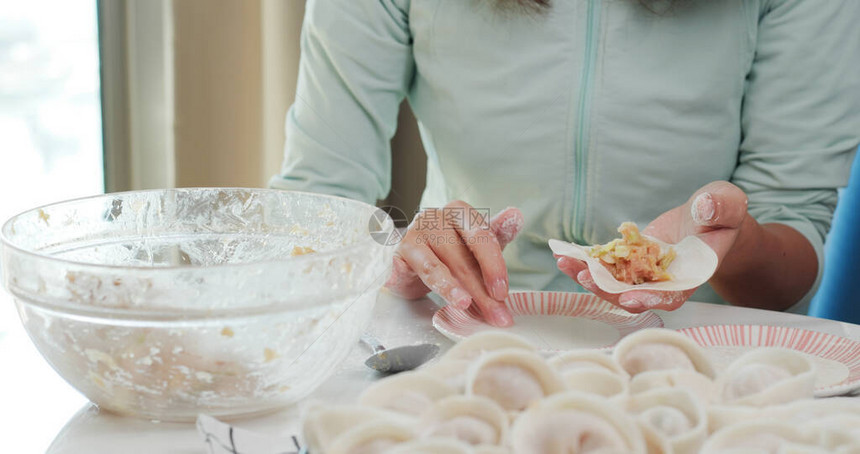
(50, 113)
(50, 150)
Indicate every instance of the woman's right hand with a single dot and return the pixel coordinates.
(455, 252)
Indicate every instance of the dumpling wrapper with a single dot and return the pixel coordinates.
(475, 420)
(767, 376)
(371, 438)
(677, 415)
(483, 342)
(322, 424)
(694, 264)
(574, 422)
(408, 393)
(759, 436)
(431, 446)
(514, 379)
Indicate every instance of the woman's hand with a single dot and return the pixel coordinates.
(716, 213)
(457, 253)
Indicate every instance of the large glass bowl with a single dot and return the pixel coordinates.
(167, 303)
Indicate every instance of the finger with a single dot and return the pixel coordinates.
(435, 275)
(666, 226)
(494, 312)
(721, 241)
(482, 242)
(570, 266)
(507, 224)
(404, 282)
(646, 300)
(464, 267)
(719, 204)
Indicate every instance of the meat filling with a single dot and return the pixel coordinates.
(634, 259)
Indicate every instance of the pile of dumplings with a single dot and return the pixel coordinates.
(655, 393)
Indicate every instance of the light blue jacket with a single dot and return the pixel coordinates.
(593, 113)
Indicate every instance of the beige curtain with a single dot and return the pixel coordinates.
(208, 86)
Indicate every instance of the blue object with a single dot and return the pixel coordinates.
(838, 297)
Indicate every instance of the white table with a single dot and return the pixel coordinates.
(39, 412)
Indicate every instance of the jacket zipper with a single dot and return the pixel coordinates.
(583, 118)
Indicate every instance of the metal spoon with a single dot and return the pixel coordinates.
(397, 359)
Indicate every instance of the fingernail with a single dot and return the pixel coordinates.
(703, 209)
(500, 289)
(460, 299)
(584, 278)
(502, 317)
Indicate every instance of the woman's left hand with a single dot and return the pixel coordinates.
(715, 213)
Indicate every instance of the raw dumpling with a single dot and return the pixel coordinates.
(513, 378)
(655, 443)
(472, 419)
(451, 371)
(721, 416)
(838, 431)
(762, 437)
(432, 446)
(486, 449)
(767, 376)
(675, 414)
(810, 410)
(371, 438)
(661, 349)
(690, 380)
(591, 372)
(410, 393)
(323, 423)
(595, 381)
(473, 346)
(576, 423)
(838, 419)
(577, 360)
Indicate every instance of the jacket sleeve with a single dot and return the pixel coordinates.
(355, 67)
(801, 115)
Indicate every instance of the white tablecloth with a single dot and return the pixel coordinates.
(39, 411)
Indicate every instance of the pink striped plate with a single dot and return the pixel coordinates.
(837, 359)
(553, 321)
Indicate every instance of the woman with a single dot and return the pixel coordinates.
(734, 120)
